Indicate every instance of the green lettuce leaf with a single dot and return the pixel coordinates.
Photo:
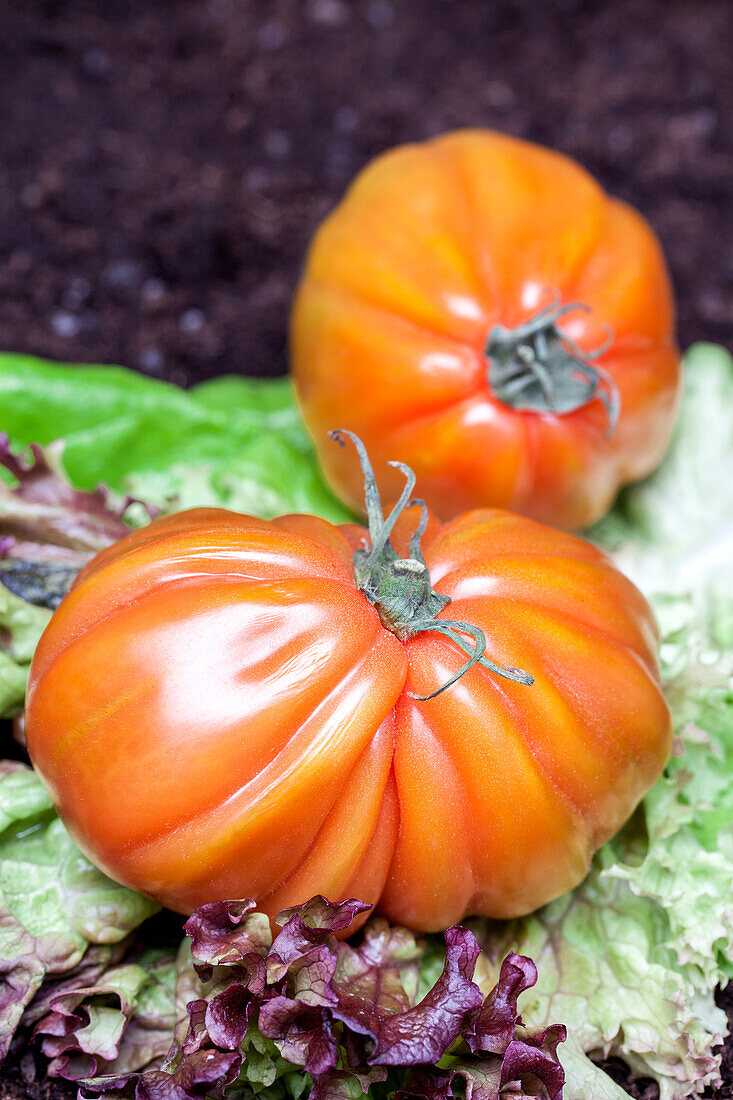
(53, 903)
(630, 959)
(688, 865)
(233, 441)
(673, 532)
(21, 625)
(604, 971)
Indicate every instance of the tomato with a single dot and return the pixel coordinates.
(225, 707)
(479, 306)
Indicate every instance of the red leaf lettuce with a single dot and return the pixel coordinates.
(348, 1015)
(48, 529)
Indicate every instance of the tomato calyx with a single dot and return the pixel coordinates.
(399, 588)
(536, 367)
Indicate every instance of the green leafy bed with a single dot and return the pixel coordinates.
(628, 961)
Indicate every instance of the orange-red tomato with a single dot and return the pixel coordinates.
(219, 712)
(407, 329)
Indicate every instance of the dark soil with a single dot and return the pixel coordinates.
(163, 165)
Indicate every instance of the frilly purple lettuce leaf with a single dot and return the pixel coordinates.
(530, 1062)
(204, 1073)
(382, 973)
(423, 1034)
(126, 1017)
(492, 1029)
(533, 1055)
(196, 1035)
(48, 529)
(402, 1034)
(342, 1014)
(228, 1014)
(225, 933)
(303, 1033)
(307, 929)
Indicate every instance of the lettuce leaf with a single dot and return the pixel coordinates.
(630, 959)
(123, 1016)
(48, 529)
(21, 625)
(232, 441)
(605, 972)
(673, 532)
(688, 865)
(342, 1014)
(54, 905)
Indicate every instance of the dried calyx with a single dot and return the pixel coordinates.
(538, 368)
(400, 588)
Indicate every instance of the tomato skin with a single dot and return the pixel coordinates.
(432, 246)
(219, 712)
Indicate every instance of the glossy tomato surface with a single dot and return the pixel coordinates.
(219, 712)
(433, 247)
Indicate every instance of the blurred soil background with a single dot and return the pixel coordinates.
(163, 164)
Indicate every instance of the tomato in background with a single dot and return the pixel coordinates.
(224, 707)
(480, 307)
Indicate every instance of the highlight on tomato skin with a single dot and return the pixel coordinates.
(479, 306)
(443, 720)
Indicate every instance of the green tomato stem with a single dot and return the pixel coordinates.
(400, 588)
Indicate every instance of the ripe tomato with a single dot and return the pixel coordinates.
(480, 307)
(224, 707)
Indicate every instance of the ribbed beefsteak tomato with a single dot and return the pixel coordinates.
(480, 307)
(226, 707)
